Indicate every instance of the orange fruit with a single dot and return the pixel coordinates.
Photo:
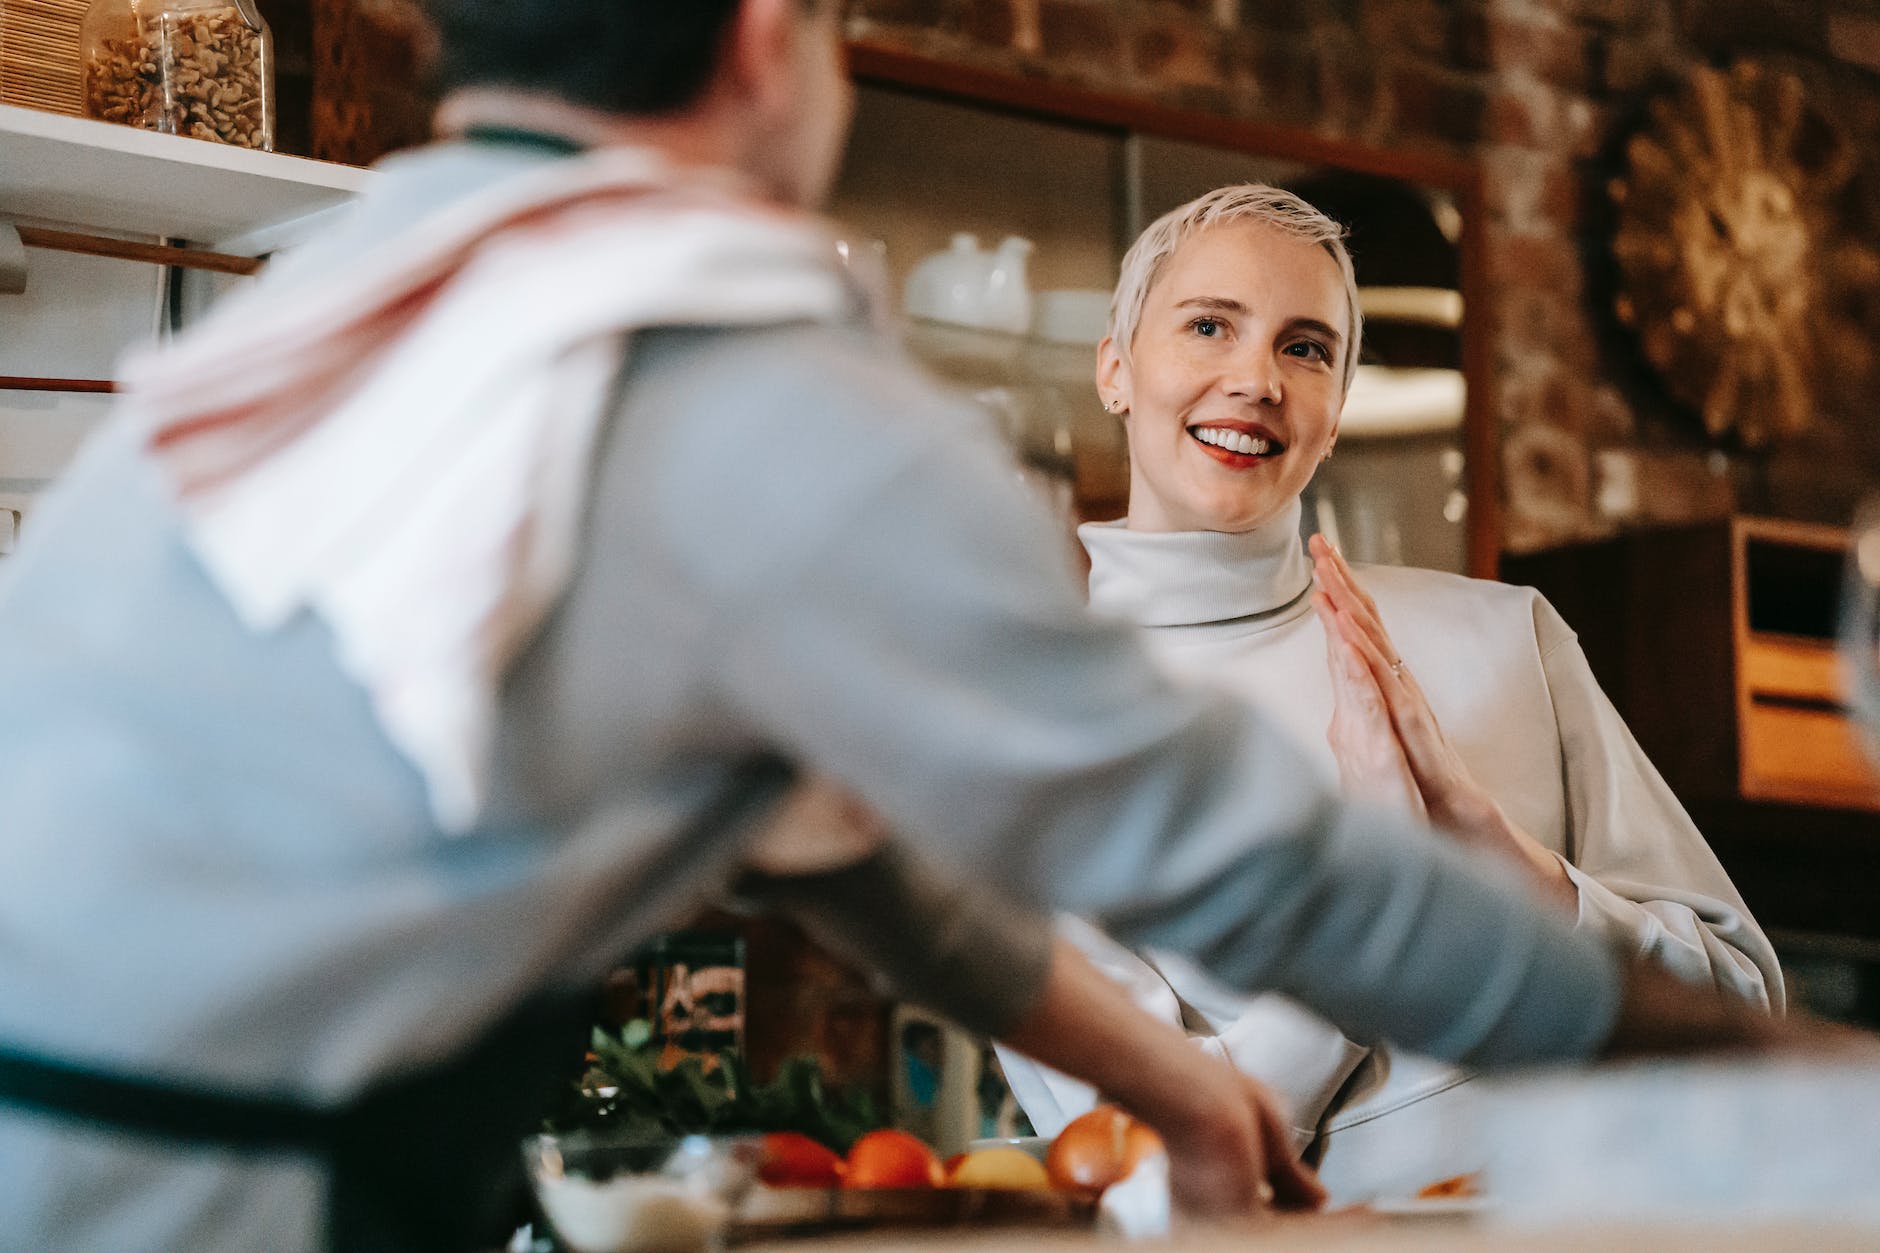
(1098, 1149)
(792, 1160)
(1007, 1169)
(891, 1159)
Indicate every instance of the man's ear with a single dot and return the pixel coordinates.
(1113, 378)
(759, 56)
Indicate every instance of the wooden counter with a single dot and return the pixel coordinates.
(1371, 1234)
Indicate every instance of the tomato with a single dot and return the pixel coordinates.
(796, 1161)
(1004, 1168)
(891, 1159)
(1099, 1149)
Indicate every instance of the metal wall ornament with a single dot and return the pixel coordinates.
(1737, 267)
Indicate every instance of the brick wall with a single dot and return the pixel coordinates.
(1541, 93)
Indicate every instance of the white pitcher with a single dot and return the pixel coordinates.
(970, 286)
(1008, 288)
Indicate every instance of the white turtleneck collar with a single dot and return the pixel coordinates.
(1190, 578)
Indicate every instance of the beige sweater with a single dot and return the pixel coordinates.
(1507, 680)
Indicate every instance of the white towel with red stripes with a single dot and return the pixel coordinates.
(402, 448)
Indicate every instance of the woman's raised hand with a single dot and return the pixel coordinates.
(1450, 795)
(1371, 762)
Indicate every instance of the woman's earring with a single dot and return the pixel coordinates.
(1115, 406)
(1327, 456)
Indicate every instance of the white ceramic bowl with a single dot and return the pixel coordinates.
(640, 1194)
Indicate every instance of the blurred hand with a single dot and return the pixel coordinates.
(1662, 1015)
(1230, 1151)
(1230, 1148)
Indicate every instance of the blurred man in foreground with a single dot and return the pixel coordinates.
(480, 581)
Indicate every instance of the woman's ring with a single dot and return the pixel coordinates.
(1396, 667)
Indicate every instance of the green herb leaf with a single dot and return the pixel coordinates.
(626, 1088)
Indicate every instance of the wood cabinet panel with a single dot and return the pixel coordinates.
(1799, 669)
(1716, 644)
(1805, 755)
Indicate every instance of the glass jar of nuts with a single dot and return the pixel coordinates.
(201, 68)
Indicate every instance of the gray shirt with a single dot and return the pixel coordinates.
(216, 868)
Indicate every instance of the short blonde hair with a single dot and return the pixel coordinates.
(1254, 202)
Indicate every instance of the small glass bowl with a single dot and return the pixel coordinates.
(1036, 1146)
(622, 1192)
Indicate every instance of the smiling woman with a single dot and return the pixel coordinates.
(1233, 340)
(1236, 402)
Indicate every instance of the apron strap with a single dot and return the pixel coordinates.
(423, 1161)
(433, 1160)
(430, 1159)
(187, 1115)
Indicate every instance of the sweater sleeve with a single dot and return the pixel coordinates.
(1299, 1056)
(1646, 878)
(1050, 1098)
(920, 639)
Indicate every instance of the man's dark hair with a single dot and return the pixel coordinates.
(624, 56)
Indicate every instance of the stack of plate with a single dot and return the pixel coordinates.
(40, 65)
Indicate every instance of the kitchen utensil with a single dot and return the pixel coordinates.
(1008, 287)
(970, 286)
(948, 286)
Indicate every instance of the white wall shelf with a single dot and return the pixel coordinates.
(121, 180)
